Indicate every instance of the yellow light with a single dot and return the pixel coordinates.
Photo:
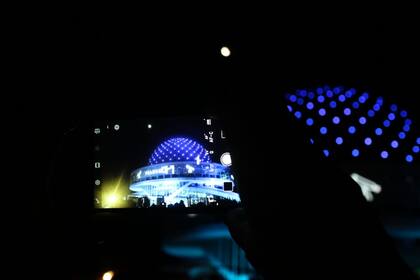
(112, 199)
(113, 193)
(108, 275)
(225, 51)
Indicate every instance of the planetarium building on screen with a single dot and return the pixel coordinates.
(180, 172)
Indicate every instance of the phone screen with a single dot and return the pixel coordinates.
(180, 162)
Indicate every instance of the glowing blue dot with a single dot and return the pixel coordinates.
(418, 141)
(339, 140)
(406, 128)
(355, 105)
(311, 95)
(309, 122)
(333, 104)
(300, 101)
(376, 107)
(368, 141)
(362, 120)
(298, 114)
(384, 154)
(371, 113)
(319, 90)
(362, 99)
(348, 94)
(352, 129)
(401, 135)
(326, 153)
(321, 99)
(393, 108)
(403, 114)
(407, 122)
(336, 90)
(380, 100)
(355, 153)
(302, 93)
(378, 131)
(416, 149)
(336, 120)
(387, 123)
(365, 95)
(330, 94)
(311, 140)
(322, 112)
(310, 105)
(323, 130)
(293, 98)
(409, 158)
(347, 112)
(342, 98)
(394, 144)
(289, 108)
(391, 116)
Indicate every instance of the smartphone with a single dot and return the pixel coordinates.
(181, 163)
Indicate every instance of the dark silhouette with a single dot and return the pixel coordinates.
(302, 216)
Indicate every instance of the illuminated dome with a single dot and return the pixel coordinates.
(179, 149)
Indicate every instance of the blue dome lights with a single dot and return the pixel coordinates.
(356, 105)
(330, 94)
(409, 158)
(293, 98)
(321, 99)
(309, 122)
(347, 111)
(322, 112)
(368, 141)
(355, 153)
(337, 90)
(310, 105)
(181, 171)
(391, 116)
(343, 118)
(302, 93)
(179, 149)
(384, 154)
(394, 108)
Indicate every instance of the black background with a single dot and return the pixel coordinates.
(78, 62)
